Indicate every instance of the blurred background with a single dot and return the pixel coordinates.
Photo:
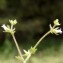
(34, 17)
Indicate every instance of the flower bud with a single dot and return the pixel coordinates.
(56, 22)
(13, 22)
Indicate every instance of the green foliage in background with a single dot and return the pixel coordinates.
(33, 18)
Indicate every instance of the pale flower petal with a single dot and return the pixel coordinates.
(4, 27)
(59, 31)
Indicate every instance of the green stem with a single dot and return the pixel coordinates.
(27, 58)
(41, 39)
(17, 47)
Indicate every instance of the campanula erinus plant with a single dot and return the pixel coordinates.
(55, 29)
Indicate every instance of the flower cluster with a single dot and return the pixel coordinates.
(55, 29)
(9, 28)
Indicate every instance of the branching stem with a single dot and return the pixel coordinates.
(17, 47)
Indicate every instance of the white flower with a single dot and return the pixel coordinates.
(58, 30)
(56, 22)
(55, 30)
(5, 27)
(13, 22)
